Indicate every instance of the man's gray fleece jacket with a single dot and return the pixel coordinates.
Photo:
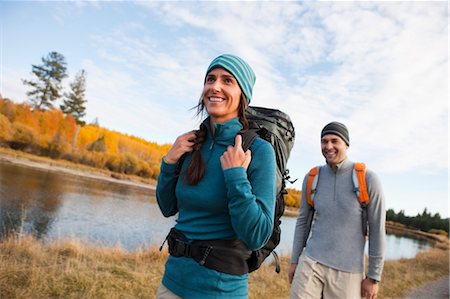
(336, 239)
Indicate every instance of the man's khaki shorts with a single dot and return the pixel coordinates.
(314, 280)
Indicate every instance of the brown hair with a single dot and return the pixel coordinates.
(196, 168)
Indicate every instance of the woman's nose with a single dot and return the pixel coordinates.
(216, 85)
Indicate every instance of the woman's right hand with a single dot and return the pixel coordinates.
(183, 144)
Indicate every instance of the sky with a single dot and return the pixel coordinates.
(381, 68)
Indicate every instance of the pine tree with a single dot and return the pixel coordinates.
(75, 102)
(46, 88)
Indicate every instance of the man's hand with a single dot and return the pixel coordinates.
(235, 156)
(369, 289)
(291, 272)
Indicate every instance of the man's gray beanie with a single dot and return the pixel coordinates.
(338, 129)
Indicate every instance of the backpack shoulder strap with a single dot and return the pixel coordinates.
(313, 177)
(248, 137)
(359, 182)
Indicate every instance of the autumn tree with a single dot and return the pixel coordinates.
(46, 87)
(75, 102)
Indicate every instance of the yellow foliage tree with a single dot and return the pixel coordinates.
(292, 198)
(51, 132)
(5, 128)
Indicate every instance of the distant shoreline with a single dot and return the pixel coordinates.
(44, 163)
(10, 156)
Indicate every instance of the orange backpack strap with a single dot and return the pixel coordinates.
(310, 187)
(361, 186)
(359, 182)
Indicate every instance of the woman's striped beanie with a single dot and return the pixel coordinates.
(239, 69)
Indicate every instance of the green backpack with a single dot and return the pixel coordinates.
(275, 127)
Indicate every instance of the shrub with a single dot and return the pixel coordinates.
(155, 169)
(438, 232)
(58, 146)
(145, 170)
(129, 163)
(113, 162)
(98, 145)
(292, 198)
(8, 109)
(23, 136)
(5, 128)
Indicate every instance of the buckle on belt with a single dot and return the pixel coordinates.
(186, 249)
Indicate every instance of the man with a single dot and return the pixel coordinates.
(328, 255)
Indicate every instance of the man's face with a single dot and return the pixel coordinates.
(334, 149)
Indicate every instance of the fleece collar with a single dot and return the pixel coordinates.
(223, 132)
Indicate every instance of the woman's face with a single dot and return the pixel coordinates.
(221, 95)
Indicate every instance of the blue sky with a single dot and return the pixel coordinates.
(382, 68)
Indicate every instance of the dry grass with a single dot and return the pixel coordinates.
(405, 274)
(74, 270)
(70, 269)
(398, 276)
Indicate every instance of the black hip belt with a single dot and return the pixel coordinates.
(227, 256)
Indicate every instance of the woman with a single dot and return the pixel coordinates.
(224, 197)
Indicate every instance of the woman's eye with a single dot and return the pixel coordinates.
(210, 79)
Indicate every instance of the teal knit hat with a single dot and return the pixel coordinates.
(239, 69)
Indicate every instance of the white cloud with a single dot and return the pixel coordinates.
(384, 77)
(11, 85)
(379, 67)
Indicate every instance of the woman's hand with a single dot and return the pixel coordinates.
(183, 144)
(235, 156)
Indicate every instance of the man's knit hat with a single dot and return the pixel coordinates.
(239, 69)
(338, 129)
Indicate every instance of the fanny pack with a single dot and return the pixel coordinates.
(226, 256)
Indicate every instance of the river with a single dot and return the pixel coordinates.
(54, 205)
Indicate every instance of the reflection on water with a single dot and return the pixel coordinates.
(28, 202)
(400, 246)
(52, 205)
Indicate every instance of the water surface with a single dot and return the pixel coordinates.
(53, 205)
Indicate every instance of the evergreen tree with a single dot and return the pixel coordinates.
(75, 102)
(46, 88)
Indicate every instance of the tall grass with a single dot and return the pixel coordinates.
(70, 269)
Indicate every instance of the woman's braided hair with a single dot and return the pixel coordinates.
(196, 168)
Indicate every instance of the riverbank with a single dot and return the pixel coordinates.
(70, 269)
(44, 163)
(439, 241)
(28, 160)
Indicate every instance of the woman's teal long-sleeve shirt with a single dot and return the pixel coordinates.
(235, 203)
